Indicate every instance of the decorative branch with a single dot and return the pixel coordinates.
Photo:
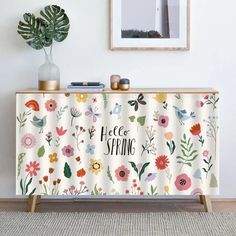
(22, 118)
(188, 155)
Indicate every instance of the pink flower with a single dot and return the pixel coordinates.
(122, 173)
(32, 168)
(65, 190)
(182, 182)
(197, 191)
(50, 105)
(60, 131)
(82, 182)
(199, 104)
(67, 151)
(28, 141)
(72, 187)
(205, 153)
(169, 136)
(163, 121)
(139, 166)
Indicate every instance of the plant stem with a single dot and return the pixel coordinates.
(51, 50)
(45, 52)
(25, 182)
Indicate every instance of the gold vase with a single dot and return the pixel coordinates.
(49, 85)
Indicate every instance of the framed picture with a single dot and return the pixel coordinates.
(150, 24)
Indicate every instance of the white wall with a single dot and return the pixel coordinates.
(85, 56)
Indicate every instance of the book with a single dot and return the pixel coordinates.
(85, 89)
(87, 84)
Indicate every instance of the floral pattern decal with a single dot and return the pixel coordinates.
(117, 144)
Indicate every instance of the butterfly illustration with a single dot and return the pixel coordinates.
(136, 103)
(92, 112)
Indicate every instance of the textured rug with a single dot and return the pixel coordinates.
(123, 224)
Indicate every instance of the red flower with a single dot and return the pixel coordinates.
(32, 168)
(60, 131)
(122, 173)
(196, 129)
(81, 172)
(162, 162)
(182, 182)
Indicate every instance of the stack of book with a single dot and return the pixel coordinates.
(85, 87)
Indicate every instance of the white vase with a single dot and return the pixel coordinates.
(49, 75)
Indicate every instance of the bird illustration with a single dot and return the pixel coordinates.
(116, 110)
(39, 123)
(182, 115)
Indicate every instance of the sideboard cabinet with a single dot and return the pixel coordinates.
(145, 142)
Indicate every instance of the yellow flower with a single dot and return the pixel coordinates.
(161, 97)
(166, 189)
(53, 157)
(95, 166)
(82, 97)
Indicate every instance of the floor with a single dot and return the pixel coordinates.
(118, 206)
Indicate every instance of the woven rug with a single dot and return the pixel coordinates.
(123, 224)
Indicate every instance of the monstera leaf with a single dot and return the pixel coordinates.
(34, 31)
(58, 21)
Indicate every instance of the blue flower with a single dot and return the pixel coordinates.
(151, 177)
(90, 149)
(197, 174)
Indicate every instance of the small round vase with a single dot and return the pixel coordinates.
(48, 75)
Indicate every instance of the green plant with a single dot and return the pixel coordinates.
(40, 32)
(188, 154)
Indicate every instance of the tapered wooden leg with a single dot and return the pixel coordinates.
(207, 203)
(38, 199)
(32, 201)
(201, 199)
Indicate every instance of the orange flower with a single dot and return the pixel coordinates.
(81, 172)
(53, 157)
(54, 182)
(77, 159)
(82, 97)
(58, 181)
(50, 170)
(169, 136)
(40, 182)
(196, 129)
(45, 178)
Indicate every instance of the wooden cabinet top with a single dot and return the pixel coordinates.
(132, 90)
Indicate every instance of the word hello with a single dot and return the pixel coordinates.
(117, 141)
